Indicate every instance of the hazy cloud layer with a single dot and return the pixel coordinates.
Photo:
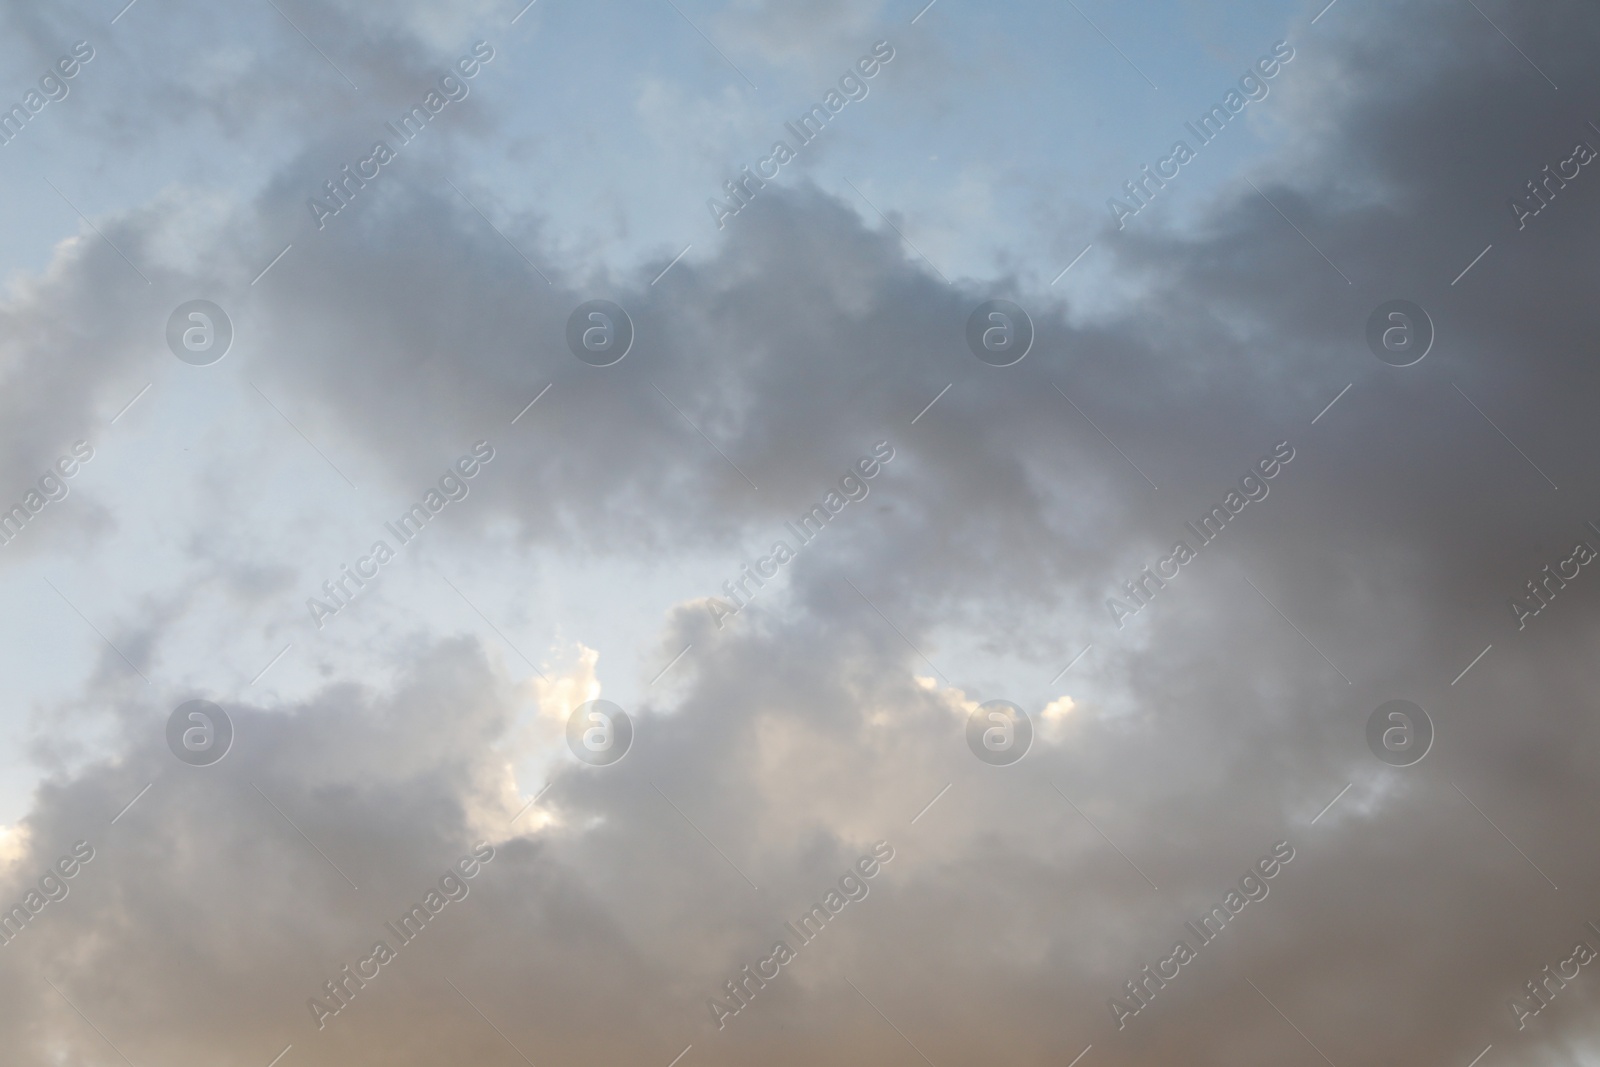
(1221, 723)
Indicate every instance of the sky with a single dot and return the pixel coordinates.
(1084, 560)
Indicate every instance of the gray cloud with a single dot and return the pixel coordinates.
(1208, 729)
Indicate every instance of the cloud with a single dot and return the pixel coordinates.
(1221, 720)
(814, 36)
